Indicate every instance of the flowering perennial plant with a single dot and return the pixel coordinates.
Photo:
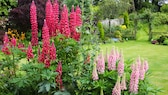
(100, 64)
(30, 54)
(137, 73)
(94, 73)
(117, 88)
(34, 24)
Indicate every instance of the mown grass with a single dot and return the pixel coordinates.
(157, 55)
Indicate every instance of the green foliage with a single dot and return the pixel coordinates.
(162, 39)
(70, 3)
(165, 42)
(160, 18)
(112, 8)
(158, 64)
(126, 19)
(117, 34)
(164, 8)
(6, 5)
(101, 30)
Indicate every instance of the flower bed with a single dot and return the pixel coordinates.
(63, 64)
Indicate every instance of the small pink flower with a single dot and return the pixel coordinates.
(47, 62)
(100, 64)
(5, 38)
(21, 47)
(72, 22)
(34, 24)
(45, 39)
(142, 72)
(30, 54)
(5, 49)
(94, 73)
(146, 67)
(78, 16)
(121, 66)
(41, 58)
(139, 62)
(59, 76)
(123, 83)
(64, 22)
(59, 68)
(117, 88)
(52, 52)
(48, 13)
(52, 27)
(111, 62)
(134, 79)
(75, 35)
(13, 42)
(56, 14)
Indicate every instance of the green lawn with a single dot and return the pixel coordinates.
(157, 55)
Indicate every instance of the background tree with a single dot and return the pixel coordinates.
(113, 8)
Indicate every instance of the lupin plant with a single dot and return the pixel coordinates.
(34, 24)
(121, 79)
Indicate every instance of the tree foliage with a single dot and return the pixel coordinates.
(113, 8)
(19, 17)
(164, 8)
(101, 30)
(6, 5)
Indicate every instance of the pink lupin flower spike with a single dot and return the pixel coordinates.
(30, 54)
(117, 89)
(94, 73)
(123, 83)
(134, 80)
(52, 52)
(34, 24)
(100, 64)
(78, 16)
(120, 67)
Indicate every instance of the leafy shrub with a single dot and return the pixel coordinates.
(165, 42)
(108, 40)
(160, 18)
(6, 5)
(164, 8)
(101, 30)
(162, 38)
(126, 19)
(117, 34)
(19, 17)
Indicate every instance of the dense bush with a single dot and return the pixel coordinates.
(126, 19)
(162, 38)
(101, 30)
(117, 34)
(164, 8)
(160, 18)
(20, 17)
(165, 42)
(6, 6)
